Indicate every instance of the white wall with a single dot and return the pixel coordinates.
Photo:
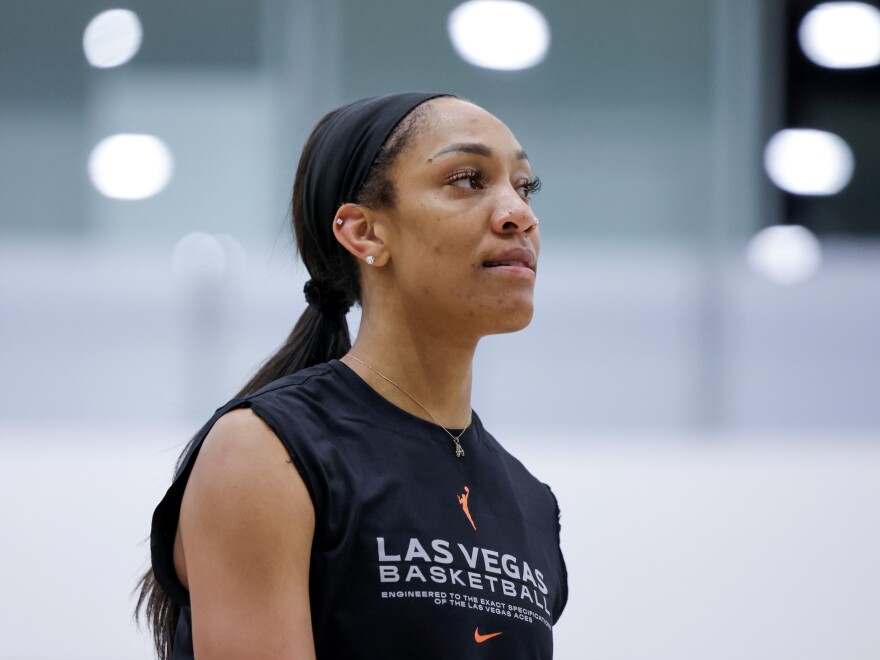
(95, 332)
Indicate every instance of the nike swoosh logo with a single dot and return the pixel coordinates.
(482, 638)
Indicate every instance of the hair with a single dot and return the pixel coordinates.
(318, 336)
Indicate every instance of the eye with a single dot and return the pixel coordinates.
(530, 187)
(466, 178)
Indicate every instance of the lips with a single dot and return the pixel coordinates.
(516, 257)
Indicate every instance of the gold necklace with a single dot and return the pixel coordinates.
(459, 452)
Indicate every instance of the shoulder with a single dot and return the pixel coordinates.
(242, 464)
(510, 462)
(528, 486)
(273, 444)
(300, 401)
(319, 377)
(239, 442)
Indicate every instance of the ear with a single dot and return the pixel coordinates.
(358, 233)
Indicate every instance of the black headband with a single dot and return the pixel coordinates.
(346, 149)
(343, 154)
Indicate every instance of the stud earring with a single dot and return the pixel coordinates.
(338, 221)
(371, 259)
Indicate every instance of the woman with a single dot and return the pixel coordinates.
(349, 504)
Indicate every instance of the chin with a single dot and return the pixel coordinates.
(511, 319)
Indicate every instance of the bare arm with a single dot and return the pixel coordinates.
(244, 544)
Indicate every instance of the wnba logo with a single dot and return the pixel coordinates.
(463, 500)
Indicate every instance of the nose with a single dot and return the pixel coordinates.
(517, 219)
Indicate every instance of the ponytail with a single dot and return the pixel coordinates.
(317, 337)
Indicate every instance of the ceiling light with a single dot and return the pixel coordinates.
(499, 34)
(128, 166)
(784, 254)
(842, 35)
(112, 38)
(808, 162)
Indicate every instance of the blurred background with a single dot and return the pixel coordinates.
(699, 385)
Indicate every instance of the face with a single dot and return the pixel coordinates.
(462, 239)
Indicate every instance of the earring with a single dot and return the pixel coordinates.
(338, 221)
(371, 259)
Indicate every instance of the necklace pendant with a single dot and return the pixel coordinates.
(459, 452)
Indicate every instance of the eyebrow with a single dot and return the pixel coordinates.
(474, 148)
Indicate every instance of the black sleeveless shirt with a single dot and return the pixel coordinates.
(417, 553)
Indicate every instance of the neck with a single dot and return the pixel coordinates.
(425, 367)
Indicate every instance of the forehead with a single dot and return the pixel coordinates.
(454, 121)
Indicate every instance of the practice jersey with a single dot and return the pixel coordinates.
(417, 553)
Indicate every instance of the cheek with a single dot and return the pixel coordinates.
(441, 246)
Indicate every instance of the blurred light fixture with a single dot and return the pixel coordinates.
(236, 256)
(842, 35)
(128, 166)
(805, 161)
(199, 259)
(499, 34)
(784, 254)
(112, 38)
